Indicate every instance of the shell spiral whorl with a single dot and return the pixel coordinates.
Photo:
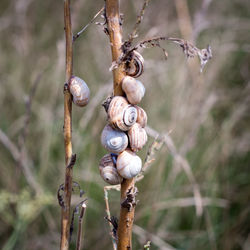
(137, 137)
(121, 114)
(113, 140)
(128, 164)
(135, 66)
(108, 170)
(134, 89)
(79, 90)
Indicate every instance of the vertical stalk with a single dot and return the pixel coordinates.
(126, 217)
(65, 218)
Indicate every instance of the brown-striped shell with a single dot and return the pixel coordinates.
(108, 170)
(113, 140)
(79, 90)
(135, 66)
(133, 88)
(142, 117)
(137, 137)
(121, 114)
(128, 164)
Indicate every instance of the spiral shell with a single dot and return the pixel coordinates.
(113, 140)
(135, 66)
(133, 88)
(142, 117)
(121, 114)
(137, 137)
(79, 90)
(108, 170)
(128, 164)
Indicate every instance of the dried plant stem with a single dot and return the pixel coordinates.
(87, 25)
(79, 234)
(106, 199)
(126, 216)
(65, 219)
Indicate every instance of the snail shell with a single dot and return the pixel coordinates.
(113, 140)
(128, 164)
(121, 114)
(133, 88)
(108, 170)
(137, 137)
(135, 66)
(142, 117)
(79, 90)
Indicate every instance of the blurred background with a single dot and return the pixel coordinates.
(196, 192)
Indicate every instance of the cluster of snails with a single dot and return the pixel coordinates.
(79, 90)
(124, 134)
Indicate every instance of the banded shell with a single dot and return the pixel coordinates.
(142, 117)
(113, 140)
(133, 88)
(79, 90)
(135, 66)
(121, 114)
(128, 164)
(137, 137)
(108, 170)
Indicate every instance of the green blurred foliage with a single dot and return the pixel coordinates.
(207, 116)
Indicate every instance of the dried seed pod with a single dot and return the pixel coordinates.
(108, 170)
(137, 137)
(121, 114)
(142, 117)
(133, 88)
(79, 90)
(135, 66)
(113, 140)
(128, 164)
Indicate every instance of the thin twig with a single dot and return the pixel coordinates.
(138, 22)
(188, 48)
(65, 219)
(79, 233)
(106, 199)
(150, 157)
(87, 25)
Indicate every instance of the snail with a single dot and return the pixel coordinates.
(137, 137)
(134, 67)
(142, 117)
(128, 164)
(108, 170)
(121, 114)
(113, 140)
(133, 88)
(79, 90)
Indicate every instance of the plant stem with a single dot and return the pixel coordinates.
(79, 234)
(65, 219)
(126, 216)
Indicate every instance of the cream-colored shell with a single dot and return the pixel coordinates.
(128, 164)
(113, 140)
(136, 65)
(142, 117)
(108, 170)
(137, 137)
(133, 88)
(121, 114)
(79, 90)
